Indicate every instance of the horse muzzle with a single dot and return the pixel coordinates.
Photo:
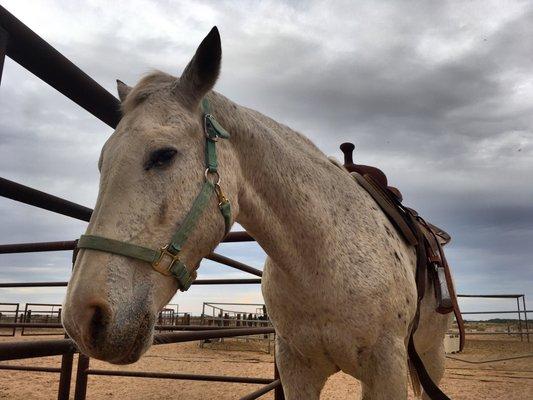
(115, 337)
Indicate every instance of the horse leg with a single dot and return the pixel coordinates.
(384, 370)
(434, 360)
(301, 378)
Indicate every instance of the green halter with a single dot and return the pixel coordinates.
(213, 130)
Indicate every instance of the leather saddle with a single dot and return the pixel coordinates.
(427, 238)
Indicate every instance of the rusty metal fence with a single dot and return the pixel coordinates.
(30, 51)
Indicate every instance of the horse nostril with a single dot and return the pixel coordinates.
(97, 324)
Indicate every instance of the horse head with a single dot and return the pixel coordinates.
(155, 169)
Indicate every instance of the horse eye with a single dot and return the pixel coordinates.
(160, 158)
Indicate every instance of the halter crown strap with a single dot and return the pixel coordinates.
(166, 260)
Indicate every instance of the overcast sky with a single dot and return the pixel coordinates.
(437, 94)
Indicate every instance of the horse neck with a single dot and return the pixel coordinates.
(291, 194)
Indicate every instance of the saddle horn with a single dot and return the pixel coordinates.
(347, 148)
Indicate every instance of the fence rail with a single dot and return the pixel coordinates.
(30, 51)
(196, 282)
(157, 327)
(35, 247)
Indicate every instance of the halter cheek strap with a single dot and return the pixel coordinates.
(166, 260)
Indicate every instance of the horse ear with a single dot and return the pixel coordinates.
(123, 90)
(201, 74)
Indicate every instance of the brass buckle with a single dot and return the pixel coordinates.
(157, 264)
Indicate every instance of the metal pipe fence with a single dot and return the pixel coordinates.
(6, 315)
(248, 315)
(521, 311)
(228, 317)
(31, 314)
(30, 51)
(45, 348)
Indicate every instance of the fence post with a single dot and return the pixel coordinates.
(27, 318)
(278, 391)
(18, 304)
(67, 360)
(525, 316)
(519, 319)
(80, 391)
(63, 392)
(3, 49)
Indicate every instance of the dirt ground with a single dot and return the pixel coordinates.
(509, 379)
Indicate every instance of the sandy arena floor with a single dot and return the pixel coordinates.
(509, 380)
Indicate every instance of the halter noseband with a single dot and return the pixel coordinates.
(174, 266)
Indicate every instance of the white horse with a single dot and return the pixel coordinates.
(339, 282)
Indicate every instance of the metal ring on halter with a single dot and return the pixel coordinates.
(207, 120)
(207, 172)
